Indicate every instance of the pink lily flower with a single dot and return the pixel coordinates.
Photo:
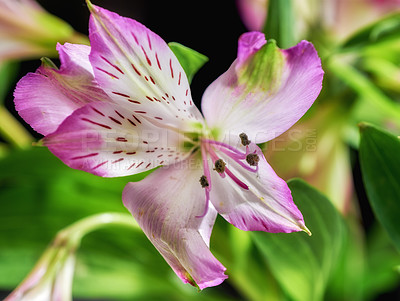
(123, 106)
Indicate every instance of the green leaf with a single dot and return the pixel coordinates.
(346, 282)
(380, 31)
(380, 167)
(301, 264)
(190, 59)
(279, 24)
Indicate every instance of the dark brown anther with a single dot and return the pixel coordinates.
(220, 166)
(245, 139)
(204, 182)
(252, 159)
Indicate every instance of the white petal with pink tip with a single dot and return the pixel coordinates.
(263, 115)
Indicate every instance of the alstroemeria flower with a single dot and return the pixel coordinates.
(51, 279)
(123, 106)
(27, 30)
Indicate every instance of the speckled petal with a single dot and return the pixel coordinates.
(136, 68)
(108, 140)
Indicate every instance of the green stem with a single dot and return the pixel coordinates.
(280, 25)
(12, 131)
(73, 234)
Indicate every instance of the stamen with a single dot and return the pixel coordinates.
(245, 140)
(252, 159)
(213, 156)
(220, 166)
(206, 168)
(236, 180)
(207, 190)
(238, 159)
(204, 182)
(217, 143)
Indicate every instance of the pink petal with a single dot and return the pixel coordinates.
(45, 98)
(249, 44)
(165, 204)
(132, 62)
(75, 59)
(263, 203)
(266, 105)
(108, 140)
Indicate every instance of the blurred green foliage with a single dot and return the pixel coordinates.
(113, 263)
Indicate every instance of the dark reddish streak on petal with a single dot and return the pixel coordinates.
(101, 164)
(112, 65)
(115, 120)
(85, 156)
(96, 123)
(108, 73)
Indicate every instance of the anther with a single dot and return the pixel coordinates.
(220, 166)
(252, 159)
(204, 182)
(245, 139)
